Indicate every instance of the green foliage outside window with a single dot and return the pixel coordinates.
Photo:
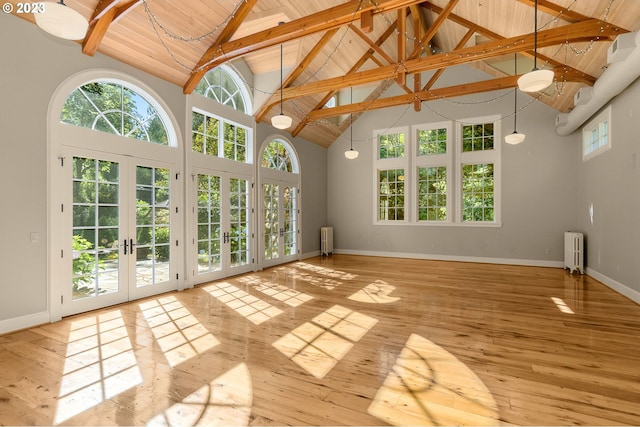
(432, 141)
(432, 193)
(391, 146)
(478, 192)
(391, 195)
(477, 137)
(115, 109)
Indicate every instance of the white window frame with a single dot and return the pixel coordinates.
(433, 160)
(392, 163)
(603, 139)
(454, 160)
(479, 157)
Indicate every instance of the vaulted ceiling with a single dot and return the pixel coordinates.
(330, 46)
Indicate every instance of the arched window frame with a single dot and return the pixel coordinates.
(241, 86)
(107, 76)
(292, 155)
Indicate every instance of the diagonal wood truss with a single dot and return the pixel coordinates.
(391, 68)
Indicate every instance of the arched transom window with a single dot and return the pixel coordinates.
(278, 155)
(116, 108)
(224, 86)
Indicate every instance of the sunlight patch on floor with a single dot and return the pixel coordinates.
(375, 293)
(243, 303)
(277, 291)
(317, 346)
(429, 386)
(226, 401)
(99, 365)
(178, 333)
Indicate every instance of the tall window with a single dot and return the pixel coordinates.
(115, 108)
(224, 86)
(391, 167)
(477, 164)
(218, 137)
(439, 174)
(433, 160)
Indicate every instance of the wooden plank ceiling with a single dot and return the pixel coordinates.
(331, 46)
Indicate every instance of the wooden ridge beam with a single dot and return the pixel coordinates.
(431, 95)
(578, 32)
(322, 21)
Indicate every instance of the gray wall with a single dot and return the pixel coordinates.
(610, 183)
(539, 185)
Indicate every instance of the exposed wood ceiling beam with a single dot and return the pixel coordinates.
(311, 24)
(359, 63)
(402, 44)
(433, 29)
(578, 32)
(427, 95)
(106, 13)
(555, 10)
(439, 71)
(300, 68)
(225, 35)
(495, 36)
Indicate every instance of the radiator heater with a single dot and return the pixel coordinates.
(574, 251)
(326, 240)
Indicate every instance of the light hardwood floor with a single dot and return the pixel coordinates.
(340, 340)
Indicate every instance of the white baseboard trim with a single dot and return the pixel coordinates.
(436, 257)
(632, 294)
(23, 322)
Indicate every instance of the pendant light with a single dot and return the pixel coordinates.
(61, 21)
(535, 80)
(515, 137)
(351, 154)
(281, 121)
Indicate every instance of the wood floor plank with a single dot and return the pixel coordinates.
(340, 340)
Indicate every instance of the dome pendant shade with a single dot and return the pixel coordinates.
(514, 138)
(351, 154)
(535, 80)
(281, 121)
(61, 21)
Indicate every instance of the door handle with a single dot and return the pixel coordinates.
(131, 245)
(125, 246)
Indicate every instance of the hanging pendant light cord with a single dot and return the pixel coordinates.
(515, 92)
(351, 116)
(535, 35)
(281, 78)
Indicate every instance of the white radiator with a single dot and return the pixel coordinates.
(326, 240)
(574, 251)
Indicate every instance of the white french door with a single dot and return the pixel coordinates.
(222, 218)
(120, 215)
(280, 222)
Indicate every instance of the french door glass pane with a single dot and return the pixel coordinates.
(239, 222)
(209, 224)
(271, 221)
(96, 227)
(152, 226)
(290, 207)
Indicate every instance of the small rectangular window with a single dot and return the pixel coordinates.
(432, 193)
(391, 146)
(596, 135)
